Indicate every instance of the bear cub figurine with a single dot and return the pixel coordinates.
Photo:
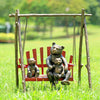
(58, 69)
(32, 69)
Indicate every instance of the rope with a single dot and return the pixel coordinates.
(24, 35)
(74, 43)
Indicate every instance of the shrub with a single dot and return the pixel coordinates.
(31, 35)
(7, 37)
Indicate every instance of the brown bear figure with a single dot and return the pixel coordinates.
(32, 69)
(56, 52)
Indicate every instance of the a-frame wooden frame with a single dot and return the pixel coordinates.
(17, 16)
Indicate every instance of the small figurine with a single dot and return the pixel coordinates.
(56, 53)
(58, 70)
(32, 69)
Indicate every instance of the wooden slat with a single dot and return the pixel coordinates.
(35, 55)
(63, 53)
(72, 71)
(71, 66)
(25, 66)
(19, 60)
(39, 65)
(41, 57)
(27, 56)
(71, 59)
(48, 51)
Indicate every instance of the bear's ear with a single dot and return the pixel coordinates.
(62, 47)
(53, 43)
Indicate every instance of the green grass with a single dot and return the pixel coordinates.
(41, 90)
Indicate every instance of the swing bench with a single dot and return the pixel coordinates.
(42, 65)
(43, 76)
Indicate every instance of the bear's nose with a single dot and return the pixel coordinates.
(54, 51)
(58, 62)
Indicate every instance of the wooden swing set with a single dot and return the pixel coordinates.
(43, 77)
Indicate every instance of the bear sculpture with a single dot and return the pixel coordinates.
(56, 53)
(32, 69)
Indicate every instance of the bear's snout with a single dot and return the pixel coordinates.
(54, 51)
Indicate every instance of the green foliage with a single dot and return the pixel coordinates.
(31, 36)
(76, 6)
(50, 6)
(7, 7)
(2, 20)
(93, 8)
(6, 37)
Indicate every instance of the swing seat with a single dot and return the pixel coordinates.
(43, 76)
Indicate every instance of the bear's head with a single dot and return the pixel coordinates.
(58, 61)
(31, 61)
(56, 49)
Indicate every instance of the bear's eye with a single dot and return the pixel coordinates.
(57, 48)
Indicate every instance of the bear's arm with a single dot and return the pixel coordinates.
(65, 63)
(37, 69)
(28, 68)
(48, 62)
(63, 71)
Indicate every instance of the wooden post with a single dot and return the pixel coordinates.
(21, 55)
(80, 48)
(16, 48)
(87, 53)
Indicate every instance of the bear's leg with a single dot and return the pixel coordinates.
(50, 76)
(56, 78)
(37, 74)
(67, 76)
(51, 79)
(29, 74)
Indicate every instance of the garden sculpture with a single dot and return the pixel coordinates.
(32, 69)
(53, 71)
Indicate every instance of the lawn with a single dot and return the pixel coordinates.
(41, 90)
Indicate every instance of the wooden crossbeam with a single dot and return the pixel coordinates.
(47, 15)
